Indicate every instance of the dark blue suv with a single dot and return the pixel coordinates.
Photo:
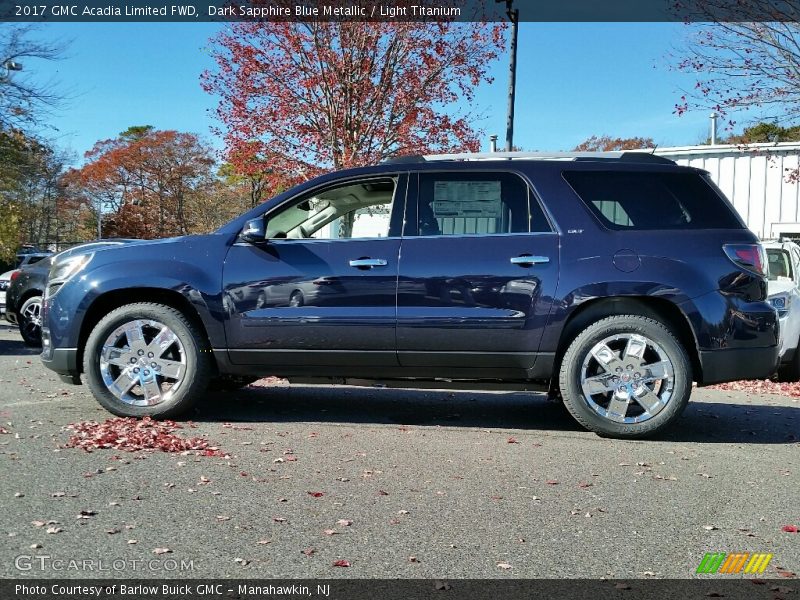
(614, 281)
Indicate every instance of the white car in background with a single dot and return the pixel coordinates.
(783, 259)
(5, 281)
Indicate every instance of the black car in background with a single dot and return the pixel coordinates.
(24, 300)
(26, 290)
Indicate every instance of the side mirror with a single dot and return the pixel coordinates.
(254, 231)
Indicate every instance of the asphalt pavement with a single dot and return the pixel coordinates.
(393, 483)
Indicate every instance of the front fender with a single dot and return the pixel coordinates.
(200, 287)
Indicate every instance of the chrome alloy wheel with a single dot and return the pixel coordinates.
(143, 363)
(627, 378)
(33, 311)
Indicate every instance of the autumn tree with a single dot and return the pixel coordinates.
(300, 98)
(605, 143)
(30, 187)
(146, 179)
(23, 98)
(745, 56)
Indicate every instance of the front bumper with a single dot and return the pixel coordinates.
(63, 361)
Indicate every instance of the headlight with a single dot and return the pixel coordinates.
(63, 270)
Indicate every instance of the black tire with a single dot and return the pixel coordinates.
(579, 353)
(790, 371)
(296, 299)
(198, 363)
(31, 328)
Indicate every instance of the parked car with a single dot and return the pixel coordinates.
(783, 259)
(5, 281)
(25, 292)
(28, 257)
(638, 278)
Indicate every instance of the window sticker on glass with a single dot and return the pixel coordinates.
(482, 199)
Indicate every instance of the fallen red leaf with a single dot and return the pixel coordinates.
(316, 494)
(551, 482)
(512, 440)
(789, 528)
(341, 563)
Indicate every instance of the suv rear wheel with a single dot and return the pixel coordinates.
(146, 359)
(626, 376)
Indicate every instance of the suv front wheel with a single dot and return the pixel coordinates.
(146, 359)
(626, 376)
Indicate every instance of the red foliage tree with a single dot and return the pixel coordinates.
(300, 98)
(147, 178)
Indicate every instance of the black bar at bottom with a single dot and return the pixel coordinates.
(713, 586)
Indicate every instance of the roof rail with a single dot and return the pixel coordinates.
(627, 156)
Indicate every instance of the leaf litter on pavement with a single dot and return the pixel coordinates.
(130, 434)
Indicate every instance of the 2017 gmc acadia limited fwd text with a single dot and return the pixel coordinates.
(612, 280)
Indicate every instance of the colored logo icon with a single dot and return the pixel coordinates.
(735, 562)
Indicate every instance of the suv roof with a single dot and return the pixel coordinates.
(621, 156)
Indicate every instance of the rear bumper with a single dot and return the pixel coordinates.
(733, 364)
(63, 361)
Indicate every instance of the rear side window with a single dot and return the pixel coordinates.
(476, 204)
(641, 200)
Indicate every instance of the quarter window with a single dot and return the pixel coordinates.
(631, 200)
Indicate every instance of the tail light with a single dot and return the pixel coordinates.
(747, 256)
(15, 274)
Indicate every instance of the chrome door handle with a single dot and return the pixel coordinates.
(527, 260)
(368, 263)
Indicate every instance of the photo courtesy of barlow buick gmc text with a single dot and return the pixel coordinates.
(411, 299)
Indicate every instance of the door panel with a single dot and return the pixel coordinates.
(462, 302)
(304, 295)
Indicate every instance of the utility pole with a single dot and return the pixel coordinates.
(513, 16)
(713, 118)
(99, 219)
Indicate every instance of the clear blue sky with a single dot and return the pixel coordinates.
(574, 80)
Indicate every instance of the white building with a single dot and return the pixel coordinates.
(754, 178)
